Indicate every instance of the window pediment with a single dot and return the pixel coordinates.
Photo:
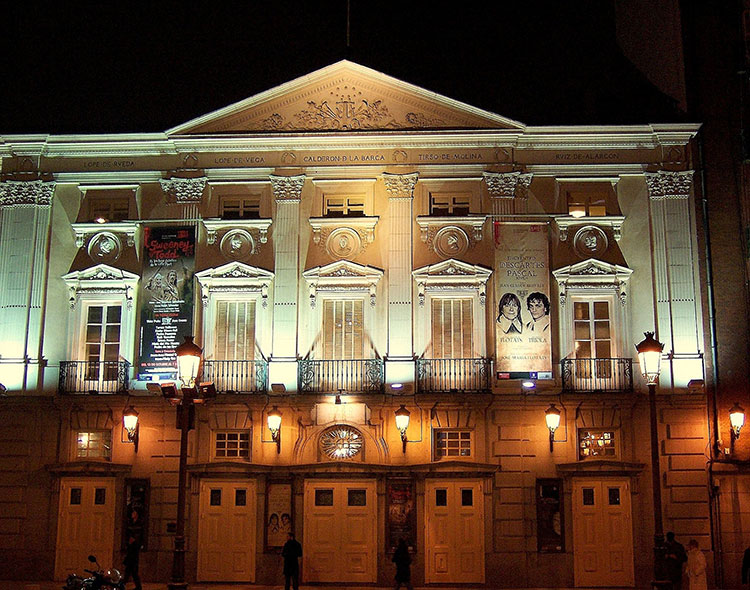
(234, 277)
(452, 275)
(101, 278)
(565, 222)
(342, 276)
(592, 275)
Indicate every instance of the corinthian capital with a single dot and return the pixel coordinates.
(287, 188)
(18, 193)
(400, 186)
(669, 185)
(504, 185)
(184, 190)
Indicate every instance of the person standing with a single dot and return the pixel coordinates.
(745, 566)
(402, 559)
(675, 558)
(133, 550)
(696, 567)
(291, 551)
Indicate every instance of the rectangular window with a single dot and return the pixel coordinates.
(452, 443)
(452, 328)
(581, 204)
(235, 330)
(239, 207)
(343, 328)
(449, 204)
(344, 206)
(324, 497)
(108, 209)
(102, 342)
(596, 443)
(232, 445)
(593, 339)
(94, 444)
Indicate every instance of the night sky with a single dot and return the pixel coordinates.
(78, 67)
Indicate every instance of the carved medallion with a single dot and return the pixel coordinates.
(237, 244)
(343, 243)
(104, 247)
(341, 442)
(450, 242)
(590, 241)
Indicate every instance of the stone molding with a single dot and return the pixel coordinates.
(26, 193)
(184, 190)
(452, 275)
(400, 186)
(669, 185)
(343, 276)
(287, 188)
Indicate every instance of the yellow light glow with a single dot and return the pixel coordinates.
(274, 421)
(402, 419)
(552, 417)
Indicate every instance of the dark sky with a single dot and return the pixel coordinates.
(77, 67)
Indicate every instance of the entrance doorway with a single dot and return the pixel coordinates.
(86, 524)
(227, 531)
(454, 532)
(340, 539)
(602, 533)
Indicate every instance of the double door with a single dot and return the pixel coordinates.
(602, 533)
(340, 543)
(454, 540)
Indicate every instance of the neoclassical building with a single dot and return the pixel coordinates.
(348, 249)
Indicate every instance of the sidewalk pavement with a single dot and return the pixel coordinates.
(18, 585)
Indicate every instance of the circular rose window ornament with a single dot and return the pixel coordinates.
(590, 241)
(341, 442)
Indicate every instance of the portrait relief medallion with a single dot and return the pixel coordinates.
(590, 241)
(343, 243)
(105, 247)
(451, 242)
(237, 244)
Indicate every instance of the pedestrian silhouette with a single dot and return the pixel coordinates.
(675, 558)
(133, 550)
(402, 559)
(291, 551)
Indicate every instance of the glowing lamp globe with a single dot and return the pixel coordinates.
(188, 361)
(649, 357)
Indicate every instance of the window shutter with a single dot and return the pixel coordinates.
(235, 330)
(343, 329)
(452, 328)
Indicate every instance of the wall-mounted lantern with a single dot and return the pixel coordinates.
(737, 420)
(552, 417)
(274, 425)
(402, 423)
(130, 426)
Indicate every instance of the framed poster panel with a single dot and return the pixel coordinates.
(279, 514)
(135, 511)
(549, 516)
(401, 515)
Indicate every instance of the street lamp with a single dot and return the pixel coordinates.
(130, 424)
(649, 356)
(402, 423)
(552, 417)
(188, 366)
(737, 420)
(273, 420)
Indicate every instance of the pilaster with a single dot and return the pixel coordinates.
(508, 192)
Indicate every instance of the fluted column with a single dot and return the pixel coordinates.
(673, 258)
(24, 240)
(507, 192)
(400, 189)
(187, 194)
(287, 191)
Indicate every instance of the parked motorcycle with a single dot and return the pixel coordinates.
(97, 580)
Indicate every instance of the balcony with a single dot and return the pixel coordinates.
(453, 375)
(597, 374)
(94, 377)
(239, 376)
(353, 376)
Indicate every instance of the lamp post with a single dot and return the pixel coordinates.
(649, 357)
(188, 364)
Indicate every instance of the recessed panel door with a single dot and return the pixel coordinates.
(86, 524)
(226, 531)
(455, 532)
(602, 533)
(340, 531)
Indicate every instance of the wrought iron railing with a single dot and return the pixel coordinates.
(242, 376)
(603, 374)
(94, 376)
(453, 375)
(353, 376)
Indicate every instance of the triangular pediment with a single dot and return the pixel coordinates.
(343, 271)
(100, 273)
(590, 268)
(451, 269)
(344, 97)
(234, 271)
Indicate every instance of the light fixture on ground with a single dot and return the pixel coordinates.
(402, 423)
(649, 356)
(130, 426)
(552, 417)
(737, 420)
(188, 370)
(274, 425)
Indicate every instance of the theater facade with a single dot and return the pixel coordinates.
(350, 251)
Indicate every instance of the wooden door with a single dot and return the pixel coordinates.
(227, 531)
(602, 533)
(340, 532)
(86, 524)
(454, 532)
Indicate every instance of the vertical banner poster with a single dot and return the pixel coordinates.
(278, 514)
(522, 317)
(166, 296)
(401, 522)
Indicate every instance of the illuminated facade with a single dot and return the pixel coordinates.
(345, 247)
